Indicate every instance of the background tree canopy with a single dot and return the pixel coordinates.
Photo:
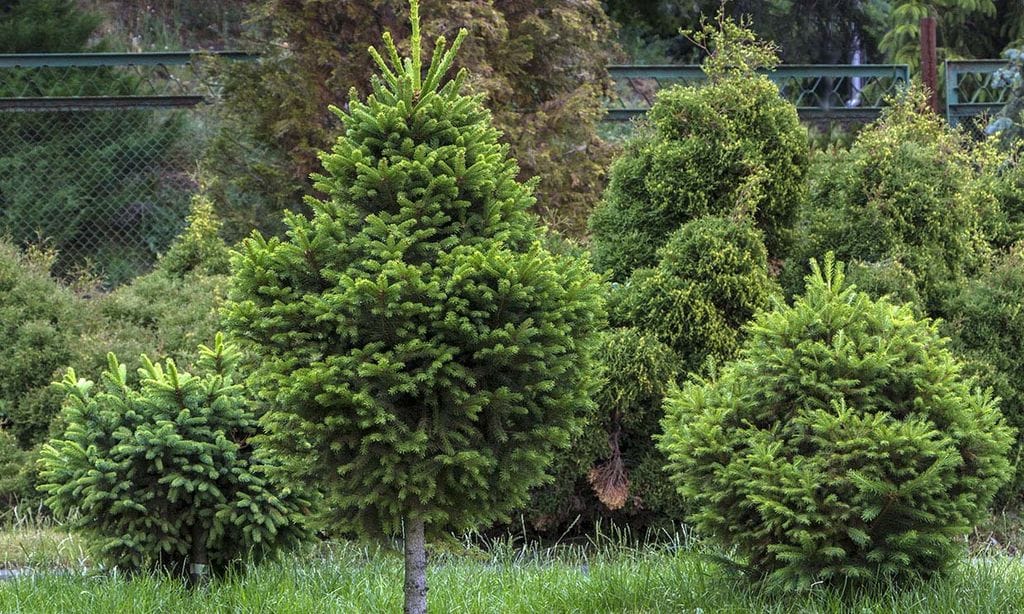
(541, 64)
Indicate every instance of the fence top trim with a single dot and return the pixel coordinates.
(86, 103)
(149, 58)
(785, 69)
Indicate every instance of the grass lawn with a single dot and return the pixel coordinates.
(507, 577)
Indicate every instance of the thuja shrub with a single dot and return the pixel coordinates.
(986, 324)
(842, 445)
(909, 190)
(605, 473)
(170, 310)
(637, 372)
(166, 474)
(731, 145)
(1004, 179)
(711, 278)
(424, 355)
(683, 316)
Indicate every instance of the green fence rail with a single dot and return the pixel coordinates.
(98, 153)
(844, 93)
(970, 91)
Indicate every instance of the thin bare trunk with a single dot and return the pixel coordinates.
(415, 568)
(198, 572)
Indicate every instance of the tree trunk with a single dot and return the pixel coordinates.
(415, 568)
(198, 559)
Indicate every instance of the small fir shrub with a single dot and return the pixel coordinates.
(730, 146)
(986, 323)
(166, 475)
(711, 279)
(908, 190)
(425, 357)
(842, 445)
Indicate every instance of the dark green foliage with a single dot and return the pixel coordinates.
(908, 191)
(966, 28)
(728, 147)
(606, 470)
(1003, 180)
(683, 316)
(986, 323)
(842, 446)
(38, 332)
(170, 310)
(807, 31)
(886, 278)
(711, 278)
(637, 371)
(166, 474)
(424, 355)
(17, 473)
(44, 26)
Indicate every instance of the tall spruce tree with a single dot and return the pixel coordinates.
(423, 355)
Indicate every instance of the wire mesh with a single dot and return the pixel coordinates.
(97, 161)
(107, 188)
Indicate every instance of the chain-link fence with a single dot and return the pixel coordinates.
(98, 155)
(822, 94)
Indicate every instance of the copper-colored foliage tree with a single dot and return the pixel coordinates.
(541, 64)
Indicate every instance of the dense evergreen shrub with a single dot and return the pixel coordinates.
(637, 371)
(683, 316)
(1003, 179)
(730, 146)
(38, 334)
(170, 310)
(606, 473)
(17, 473)
(887, 278)
(908, 191)
(842, 445)
(166, 474)
(986, 323)
(425, 356)
(712, 276)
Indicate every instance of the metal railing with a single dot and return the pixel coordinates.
(98, 151)
(820, 92)
(970, 91)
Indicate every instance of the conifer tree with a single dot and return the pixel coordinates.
(423, 355)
